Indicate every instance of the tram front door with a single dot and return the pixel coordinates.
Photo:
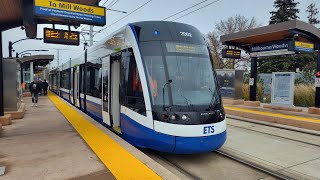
(111, 85)
(75, 92)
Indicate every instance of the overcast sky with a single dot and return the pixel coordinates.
(203, 19)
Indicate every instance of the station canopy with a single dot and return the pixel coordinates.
(286, 30)
(38, 60)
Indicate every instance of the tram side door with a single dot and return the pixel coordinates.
(115, 65)
(76, 86)
(106, 90)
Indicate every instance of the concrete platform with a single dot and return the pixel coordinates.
(292, 118)
(293, 154)
(47, 145)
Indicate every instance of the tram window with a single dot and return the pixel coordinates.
(131, 88)
(94, 81)
(65, 79)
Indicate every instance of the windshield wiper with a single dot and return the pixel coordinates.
(165, 107)
(213, 97)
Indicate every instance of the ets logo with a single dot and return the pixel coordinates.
(208, 130)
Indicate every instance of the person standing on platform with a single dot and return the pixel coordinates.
(34, 88)
(40, 86)
(45, 87)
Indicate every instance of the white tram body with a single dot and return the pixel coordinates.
(153, 83)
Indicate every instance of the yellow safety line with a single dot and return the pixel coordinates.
(119, 161)
(274, 114)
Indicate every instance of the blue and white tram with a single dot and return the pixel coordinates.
(153, 82)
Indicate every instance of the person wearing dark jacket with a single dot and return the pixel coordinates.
(40, 86)
(34, 88)
(45, 87)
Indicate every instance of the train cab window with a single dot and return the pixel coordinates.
(131, 87)
(65, 79)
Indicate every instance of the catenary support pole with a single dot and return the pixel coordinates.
(253, 79)
(85, 81)
(317, 97)
(1, 77)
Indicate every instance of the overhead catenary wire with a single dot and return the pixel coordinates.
(84, 26)
(196, 10)
(110, 5)
(185, 9)
(125, 16)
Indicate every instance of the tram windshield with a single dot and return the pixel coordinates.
(180, 75)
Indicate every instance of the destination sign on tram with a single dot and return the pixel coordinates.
(56, 36)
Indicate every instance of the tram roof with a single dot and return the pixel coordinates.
(274, 32)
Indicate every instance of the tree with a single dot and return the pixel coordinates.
(313, 12)
(231, 25)
(286, 10)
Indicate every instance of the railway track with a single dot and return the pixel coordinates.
(231, 157)
(254, 166)
(279, 127)
(180, 163)
(294, 129)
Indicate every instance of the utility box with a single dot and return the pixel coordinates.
(12, 92)
(230, 82)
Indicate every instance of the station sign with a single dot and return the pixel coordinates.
(56, 36)
(270, 49)
(70, 12)
(231, 53)
(303, 47)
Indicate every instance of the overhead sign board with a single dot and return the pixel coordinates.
(303, 47)
(56, 36)
(231, 53)
(70, 12)
(270, 49)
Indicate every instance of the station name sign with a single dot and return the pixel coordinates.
(70, 12)
(231, 53)
(56, 36)
(270, 49)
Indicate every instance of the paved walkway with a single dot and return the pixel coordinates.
(44, 145)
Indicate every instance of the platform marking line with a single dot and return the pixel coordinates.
(121, 163)
(274, 114)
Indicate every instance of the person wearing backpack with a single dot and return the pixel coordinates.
(34, 88)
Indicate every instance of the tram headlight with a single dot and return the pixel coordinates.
(174, 117)
(222, 115)
(184, 117)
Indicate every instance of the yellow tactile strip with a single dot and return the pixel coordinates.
(273, 114)
(119, 161)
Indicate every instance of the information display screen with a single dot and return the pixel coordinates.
(231, 53)
(56, 36)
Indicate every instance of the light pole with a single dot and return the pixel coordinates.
(12, 43)
(36, 50)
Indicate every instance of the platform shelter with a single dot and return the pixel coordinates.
(277, 39)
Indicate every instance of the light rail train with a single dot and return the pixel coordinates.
(153, 83)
